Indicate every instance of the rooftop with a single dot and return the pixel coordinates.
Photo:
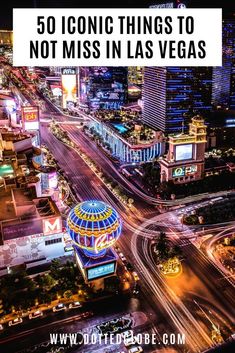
(13, 136)
(128, 125)
(21, 212)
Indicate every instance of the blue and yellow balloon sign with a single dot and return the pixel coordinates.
(94, 226)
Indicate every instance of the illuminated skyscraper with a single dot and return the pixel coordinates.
(229, 51)
(202, 90)
(102, 87)
(167, 96)
(173, 94)
(223, 86)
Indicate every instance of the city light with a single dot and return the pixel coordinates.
(94, 226)
(69, 89)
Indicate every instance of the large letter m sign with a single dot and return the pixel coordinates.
(52, 226)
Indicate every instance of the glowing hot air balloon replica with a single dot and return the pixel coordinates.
(94, 227)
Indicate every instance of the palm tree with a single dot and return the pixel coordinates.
(162, 247)
(55, 269)
(68, 294)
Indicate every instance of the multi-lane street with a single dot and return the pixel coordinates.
(181, 315)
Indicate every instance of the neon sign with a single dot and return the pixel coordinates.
(101, 271)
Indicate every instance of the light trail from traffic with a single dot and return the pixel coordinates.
(183, 320)
(87, 185)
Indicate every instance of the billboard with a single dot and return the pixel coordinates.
(10, 105)
(69, 85)
(52, 180)
(183, 152)
(52, 226)
(190, 170)
(101, 271)
(68, 243)
(103, 87)
(19, 230)
(56, 90)
(30, 117)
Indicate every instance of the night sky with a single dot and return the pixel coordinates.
(7, 6)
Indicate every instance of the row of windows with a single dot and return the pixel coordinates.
(53, 241)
